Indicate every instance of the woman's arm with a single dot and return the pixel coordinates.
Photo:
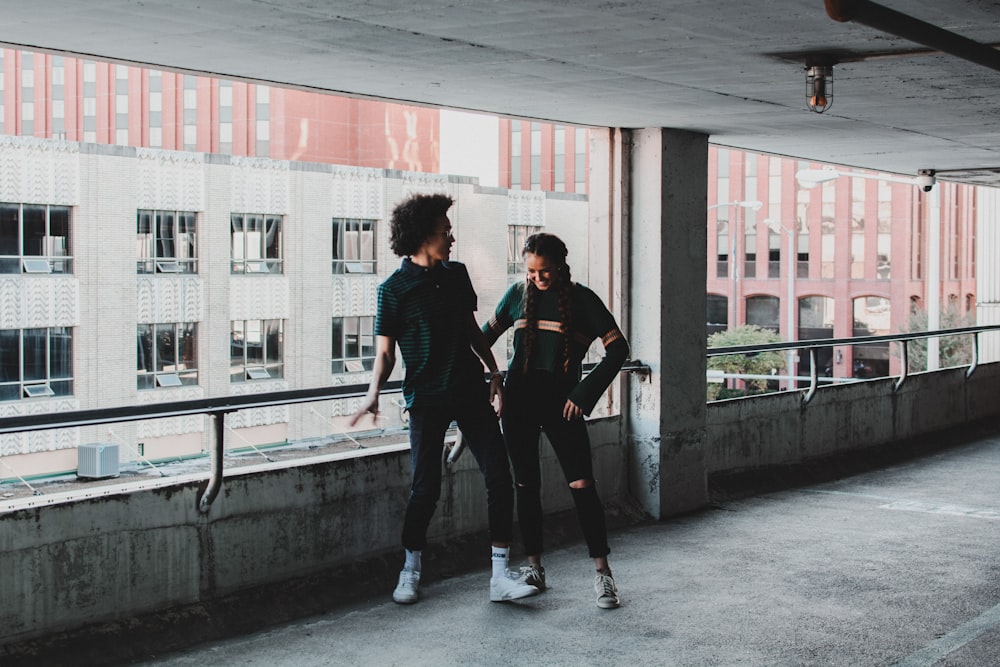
(481, 346)
(584, 395)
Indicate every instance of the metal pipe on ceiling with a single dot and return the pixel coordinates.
(902, 25)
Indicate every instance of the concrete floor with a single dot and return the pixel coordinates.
(895, 566)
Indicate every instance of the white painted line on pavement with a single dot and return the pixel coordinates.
(921, 506)
(943, 508)
(955, 639)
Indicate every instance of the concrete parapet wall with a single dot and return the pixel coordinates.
(69, 562)
(759, 432)
(66, 563)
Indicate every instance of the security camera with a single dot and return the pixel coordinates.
(925, 179)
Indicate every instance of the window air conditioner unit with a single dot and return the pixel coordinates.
(97, 460)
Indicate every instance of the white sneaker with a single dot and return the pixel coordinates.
(509, 587)
(607, 592)
(407, 589)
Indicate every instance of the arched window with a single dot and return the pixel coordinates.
(718, 314)
(872, 315)
(763, 311)
(816, 321)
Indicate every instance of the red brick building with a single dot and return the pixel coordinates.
(58, 97)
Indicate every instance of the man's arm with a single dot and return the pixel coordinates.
(385, 361)
(482, 349)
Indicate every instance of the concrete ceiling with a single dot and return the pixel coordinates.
(731, 69)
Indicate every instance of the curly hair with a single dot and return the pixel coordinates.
(413, 221)
(553, 249)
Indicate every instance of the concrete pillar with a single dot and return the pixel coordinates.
(665, 231)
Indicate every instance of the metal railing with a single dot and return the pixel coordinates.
(811, 346)
(217, 407)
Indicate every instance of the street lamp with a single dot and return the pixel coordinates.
(777, 227)
(734, 272)
(810, 178)
(925, 180)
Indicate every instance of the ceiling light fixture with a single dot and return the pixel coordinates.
(819, 87)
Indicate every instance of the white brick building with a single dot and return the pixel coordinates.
(111, 283)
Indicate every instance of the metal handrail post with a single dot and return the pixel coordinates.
(218, 450)
(813, 376)
(904, 358)
(975, 356)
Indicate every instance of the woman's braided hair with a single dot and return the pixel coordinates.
(553, 249)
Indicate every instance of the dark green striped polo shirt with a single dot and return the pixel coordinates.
(427, 312)
(591, 320)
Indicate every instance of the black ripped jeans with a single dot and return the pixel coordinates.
(533, 403)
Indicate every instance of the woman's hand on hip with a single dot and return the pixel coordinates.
(572, 411)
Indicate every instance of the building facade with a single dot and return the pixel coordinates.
(231, 234)
(849, 257)
(59, 97)
(143, 275)
(259, 220)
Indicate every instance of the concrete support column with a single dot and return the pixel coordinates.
(667, 178)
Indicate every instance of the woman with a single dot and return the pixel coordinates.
(555, 320)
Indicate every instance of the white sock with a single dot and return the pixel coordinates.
(412, 560)
(500, 556)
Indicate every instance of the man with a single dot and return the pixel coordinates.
(427, 306)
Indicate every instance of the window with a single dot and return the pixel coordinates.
(749, 246)
(535, 162)
(89, 101)
(36, 363)
(802, 220)
(762, 311)
(353, 246)
(121, 105)
(353, 344)
(857, 228)
(167, 355)
(190, 117)
(722, 244)
(226, 117)
(827, 228)
(58, 90)
(34, 239)
(773, 253)
(155, 108)
(516, 236)
(580, 160)
(559, 138)
(872, 316)
(263, 111)
(256, 350)
(816, 321)
(515, 154)
(718, 313)
(166, 242)
(256, 243)
(27, 94)
(883, 268)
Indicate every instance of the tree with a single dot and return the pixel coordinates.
(955, 350)
(755, 363)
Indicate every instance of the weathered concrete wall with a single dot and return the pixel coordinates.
(68, 563)
(778, 429)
